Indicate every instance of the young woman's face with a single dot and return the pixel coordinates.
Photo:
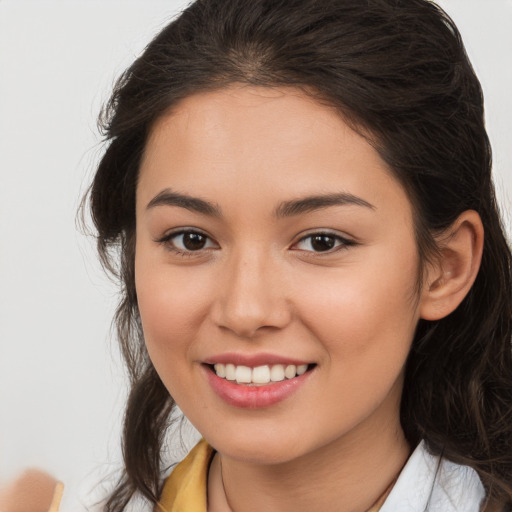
(272, 240)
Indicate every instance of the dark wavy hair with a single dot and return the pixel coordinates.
(398, 72)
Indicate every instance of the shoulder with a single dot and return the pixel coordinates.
(431, 483)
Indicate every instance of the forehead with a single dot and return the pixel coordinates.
(245, 116)
(264, 141)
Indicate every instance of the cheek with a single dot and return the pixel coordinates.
(365, 313)
(365, 332)
(171, 308)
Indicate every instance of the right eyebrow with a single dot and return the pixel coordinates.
(167, 197)
(312, 203)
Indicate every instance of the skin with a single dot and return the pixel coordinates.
(258, 286)
(32, 491)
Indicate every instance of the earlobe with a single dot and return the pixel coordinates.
(450, 278)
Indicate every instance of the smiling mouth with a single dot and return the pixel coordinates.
(259, 375)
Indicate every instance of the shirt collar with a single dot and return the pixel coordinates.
(431, 483)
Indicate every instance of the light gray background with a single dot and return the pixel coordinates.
(61, 384)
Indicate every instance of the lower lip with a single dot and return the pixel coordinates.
(254, 397)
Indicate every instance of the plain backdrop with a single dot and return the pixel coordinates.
(62, 386)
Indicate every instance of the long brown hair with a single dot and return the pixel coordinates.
(397, 70)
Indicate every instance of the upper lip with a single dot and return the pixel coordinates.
(253, 360)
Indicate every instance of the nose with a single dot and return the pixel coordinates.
(251, 297)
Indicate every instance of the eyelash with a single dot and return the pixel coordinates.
(167, 240)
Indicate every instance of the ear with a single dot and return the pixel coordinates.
(449, 279)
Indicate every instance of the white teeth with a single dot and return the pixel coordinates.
(230, 372)
(259, 375)
(220, 370)
(243, 375)
(302, 369)
(290, 371)
(277, 373)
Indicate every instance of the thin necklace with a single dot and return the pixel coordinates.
(223, 486)
(375, 507)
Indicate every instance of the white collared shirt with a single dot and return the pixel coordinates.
(431, 484)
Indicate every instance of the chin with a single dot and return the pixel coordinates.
(260, 449)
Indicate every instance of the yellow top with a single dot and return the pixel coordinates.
(185, 488)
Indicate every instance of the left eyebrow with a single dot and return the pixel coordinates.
(169, 198)
(312, 203)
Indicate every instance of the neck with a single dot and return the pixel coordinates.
(348, 474)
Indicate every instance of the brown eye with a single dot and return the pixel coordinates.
(323, 242)
(320, 243)
(188, 242)
(193, 241)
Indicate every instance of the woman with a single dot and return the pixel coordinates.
(312, 261)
